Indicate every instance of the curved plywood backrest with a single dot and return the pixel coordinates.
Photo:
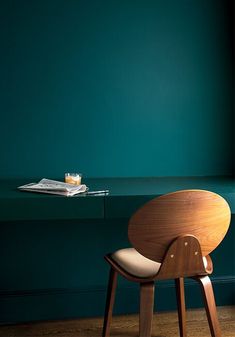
(203, 214)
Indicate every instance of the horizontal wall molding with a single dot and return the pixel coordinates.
(62, 303)
(74, 290)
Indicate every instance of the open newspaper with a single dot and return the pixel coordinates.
(54, 187)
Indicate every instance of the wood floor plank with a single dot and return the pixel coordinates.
(164, 325)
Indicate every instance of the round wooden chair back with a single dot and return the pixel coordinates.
(154, 226)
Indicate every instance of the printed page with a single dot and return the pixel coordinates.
(54, 187)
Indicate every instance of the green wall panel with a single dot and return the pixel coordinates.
(116, 88)
(56, 270)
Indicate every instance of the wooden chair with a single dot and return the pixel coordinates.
(172, 236)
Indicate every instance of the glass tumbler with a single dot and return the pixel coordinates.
(73, 178)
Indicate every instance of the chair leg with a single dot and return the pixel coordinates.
(146, 309)
(179, 285)
(210, 305)
(109, 302)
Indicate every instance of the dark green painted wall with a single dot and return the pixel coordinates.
(116, 88)
(109, 88)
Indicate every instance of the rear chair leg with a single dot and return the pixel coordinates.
(210, 305)
(179, 285)
(146, 309)
(109, 302)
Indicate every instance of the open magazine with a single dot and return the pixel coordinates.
(54, 187)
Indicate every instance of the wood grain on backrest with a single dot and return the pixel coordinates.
(203, 214)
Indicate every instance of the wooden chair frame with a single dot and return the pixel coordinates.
(175, 266)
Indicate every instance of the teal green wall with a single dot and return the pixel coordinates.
(116, 88)
(108, 88)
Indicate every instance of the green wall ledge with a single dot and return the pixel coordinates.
(52, 249)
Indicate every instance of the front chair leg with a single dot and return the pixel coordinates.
(109, 302)
(179, 285)
(146, 309)
(210, 305)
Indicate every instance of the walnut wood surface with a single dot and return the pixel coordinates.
(210, 305)
(109, 302)
(146, 309)
(180, 297)
(201, 213)
(183, 259)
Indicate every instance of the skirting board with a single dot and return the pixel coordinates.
(53, 304)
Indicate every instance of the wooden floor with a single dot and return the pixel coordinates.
(164, 325)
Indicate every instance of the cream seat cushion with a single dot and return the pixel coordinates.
(136, 264)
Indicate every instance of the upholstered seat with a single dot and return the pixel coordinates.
(136, 264)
